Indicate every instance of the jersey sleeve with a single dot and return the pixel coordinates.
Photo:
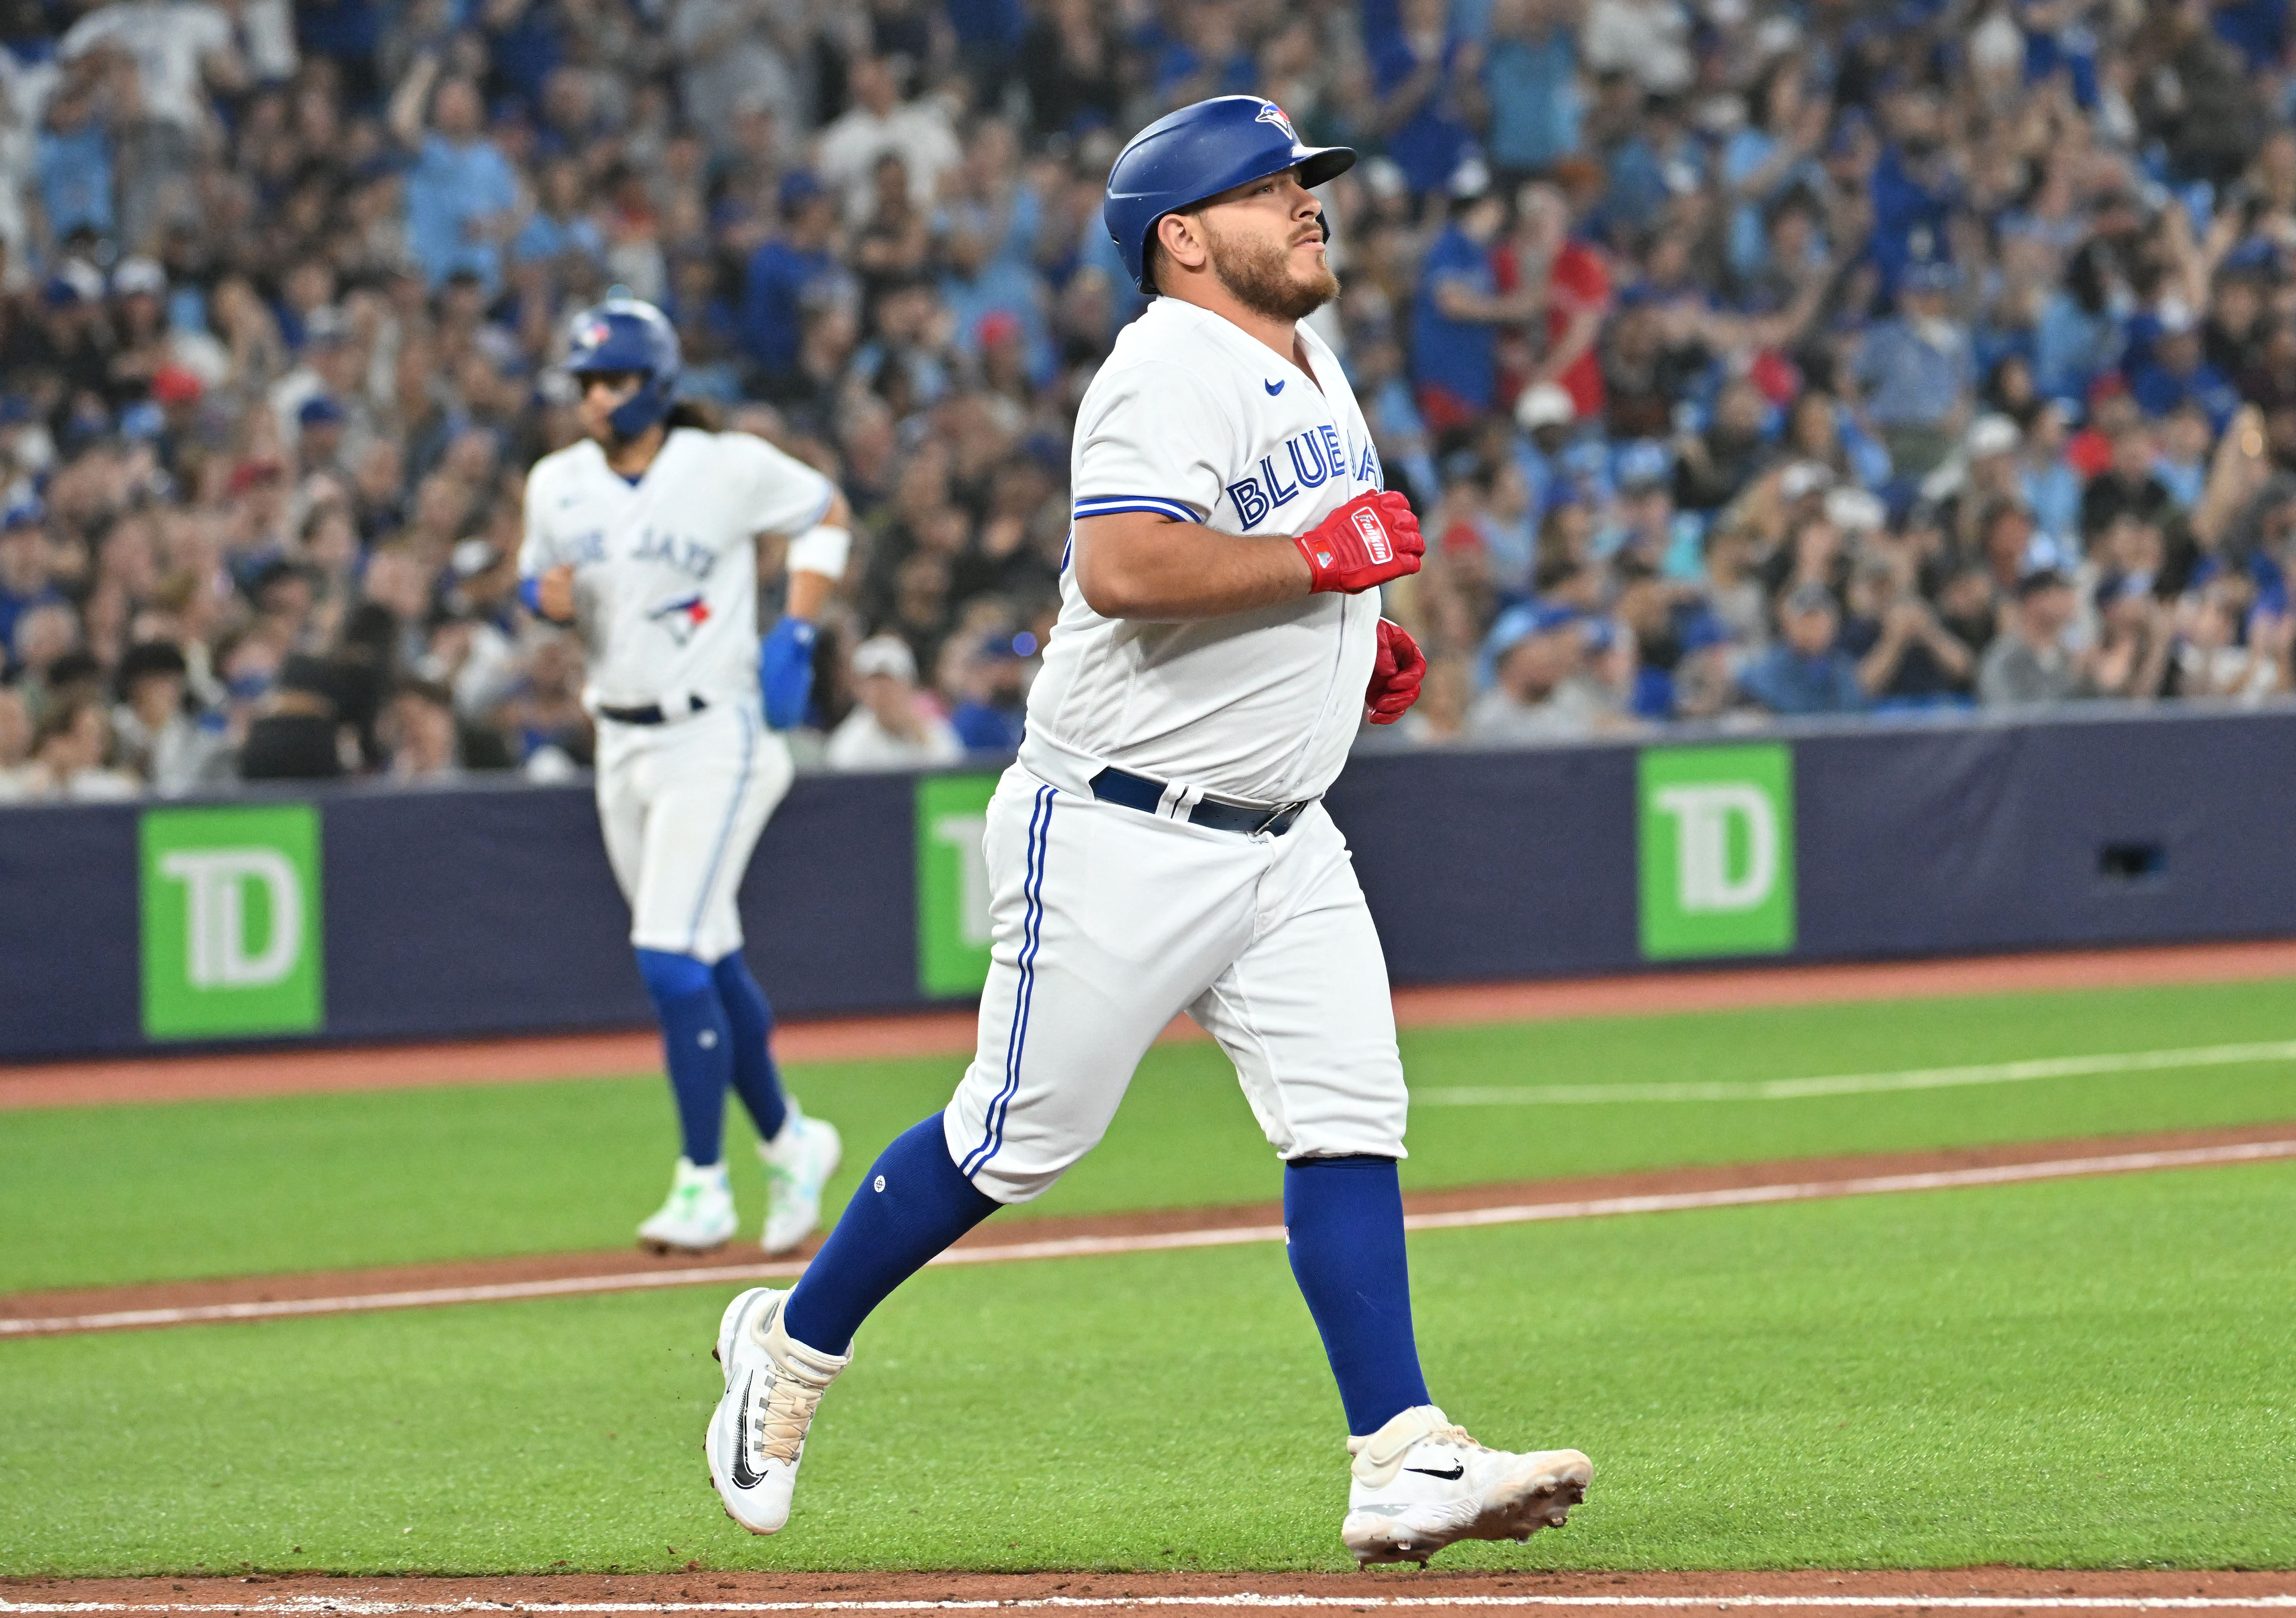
(1152, 438)
(781, 493)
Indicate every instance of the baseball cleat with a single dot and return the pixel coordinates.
(773, 1386)
(799, 1163)
(699, 1216)
(1419, 1483)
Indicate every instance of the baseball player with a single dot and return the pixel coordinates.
(645, 535)
(1161, 844)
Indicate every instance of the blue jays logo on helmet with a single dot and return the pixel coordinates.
(628, 336)
(1198, 152)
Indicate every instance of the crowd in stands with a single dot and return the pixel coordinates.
(1742, 358)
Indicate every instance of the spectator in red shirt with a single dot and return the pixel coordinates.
(1577, 293)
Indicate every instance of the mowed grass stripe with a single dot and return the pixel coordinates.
(2088, 1373)
(1862, 1084)
(112, 1196)
(1172, 1241)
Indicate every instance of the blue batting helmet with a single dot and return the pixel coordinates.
(1200, 152)
(627, 334)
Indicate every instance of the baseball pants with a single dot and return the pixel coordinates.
(681, 807)
(1107, 922)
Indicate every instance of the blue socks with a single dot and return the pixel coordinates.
(697, 1043)
(911, 1205)
(715, 1024)
(1344, 1217)
(755, 1078)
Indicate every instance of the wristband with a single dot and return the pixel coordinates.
(821, 549)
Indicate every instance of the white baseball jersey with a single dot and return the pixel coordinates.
(1194, 419)
(665, 568)
(1106, 920)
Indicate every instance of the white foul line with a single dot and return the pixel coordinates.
(389, 1609)
(1857, 1084)
(1101, 1246)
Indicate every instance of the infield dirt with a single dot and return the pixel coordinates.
(2006, 1590)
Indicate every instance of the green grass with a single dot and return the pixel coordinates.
(105, 1195)
(2079, 1374)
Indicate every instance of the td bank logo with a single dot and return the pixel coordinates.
(953, 887)
(231, 921)
(1717, 850)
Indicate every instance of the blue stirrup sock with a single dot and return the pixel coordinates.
(1343, 1219)
(911, 1205)
(697, 1043)
(755, 1080)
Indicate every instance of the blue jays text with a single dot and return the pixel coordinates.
(1316, 455)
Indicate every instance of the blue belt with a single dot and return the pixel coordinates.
(1114, 785)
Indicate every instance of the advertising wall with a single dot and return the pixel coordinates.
(368, 915)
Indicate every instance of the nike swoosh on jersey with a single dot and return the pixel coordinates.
(1274, 388)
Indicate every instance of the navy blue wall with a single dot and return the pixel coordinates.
(491, 910)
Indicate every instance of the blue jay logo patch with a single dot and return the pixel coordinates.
(682, 618)
(1271, 113)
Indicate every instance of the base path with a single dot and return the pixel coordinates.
(2006, 1590)
(297, 1072)
(1017, 1240)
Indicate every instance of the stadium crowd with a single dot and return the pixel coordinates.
(1741, 357)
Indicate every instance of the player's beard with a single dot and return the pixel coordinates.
(1259, 276)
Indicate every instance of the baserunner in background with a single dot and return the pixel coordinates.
(646, 535)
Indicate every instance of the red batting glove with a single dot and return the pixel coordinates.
(1394, 675)
(1371, 539)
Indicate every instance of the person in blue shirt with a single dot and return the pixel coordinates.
(784, 266)
(1804, 671)
(75, 167)
(1918, 371)
(974, 286)
(995, 705)
(1427, 81)
(2175, 374)
(1454, 342)
(2081, 331)
(461, 191)
(1531, 79)
(24, 581)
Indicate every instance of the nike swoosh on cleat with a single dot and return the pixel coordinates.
(1458, 1470)
(1274, 388)
(743, 1478)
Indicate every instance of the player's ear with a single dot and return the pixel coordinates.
(1182, 237)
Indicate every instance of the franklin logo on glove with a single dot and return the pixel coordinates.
(1371, 539)
(1375, 536)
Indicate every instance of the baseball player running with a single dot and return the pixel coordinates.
(1161, 845)
(645, 535)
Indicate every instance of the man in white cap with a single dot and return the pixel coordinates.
(890, 728)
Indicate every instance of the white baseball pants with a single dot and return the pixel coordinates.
(681, 806)
(1107, 922)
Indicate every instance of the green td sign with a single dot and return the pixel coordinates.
(952, 815)
(231, 921)
(1717, 836)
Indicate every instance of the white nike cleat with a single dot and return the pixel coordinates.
(773, 1386)
(699, 1216)
(799, 1163)
(1419, 1483)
